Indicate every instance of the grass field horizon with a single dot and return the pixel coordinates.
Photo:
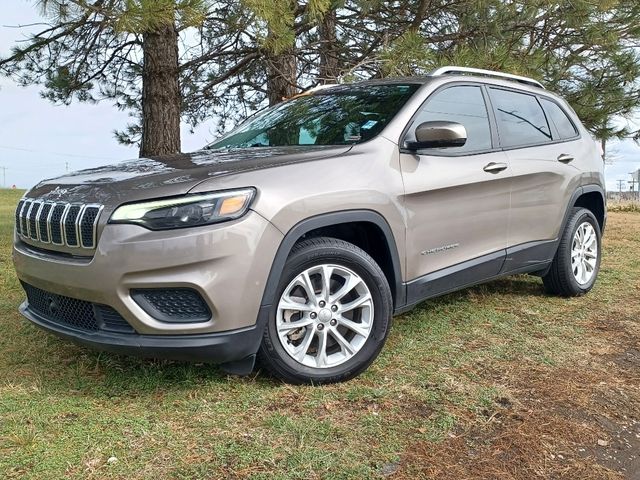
(496, 381)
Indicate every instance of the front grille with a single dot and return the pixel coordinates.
(110, 320)
(74, 225)
(74, 313)
(59, 309)
(173, 304)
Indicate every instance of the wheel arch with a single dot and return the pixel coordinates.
(366, 229)
(591, 197)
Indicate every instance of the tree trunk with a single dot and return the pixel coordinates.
(329, 69)
(161, 97)
(281, 75)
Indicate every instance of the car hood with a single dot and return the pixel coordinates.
(169, 175)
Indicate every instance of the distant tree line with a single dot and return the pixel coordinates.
(170, 60)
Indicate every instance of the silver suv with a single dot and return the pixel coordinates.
(296, 237)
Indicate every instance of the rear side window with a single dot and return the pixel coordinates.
(560, 119)
(521, 120)
(462, 104)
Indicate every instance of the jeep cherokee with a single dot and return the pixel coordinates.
(296, 237)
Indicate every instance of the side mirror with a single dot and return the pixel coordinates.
(438, 135)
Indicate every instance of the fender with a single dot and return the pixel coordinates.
(327, 220)
(574, 198)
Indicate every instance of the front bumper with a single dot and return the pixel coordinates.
(236, 347)
(227, 264)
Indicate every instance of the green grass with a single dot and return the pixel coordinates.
(66, 411)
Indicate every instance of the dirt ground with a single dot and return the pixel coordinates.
(577, 421)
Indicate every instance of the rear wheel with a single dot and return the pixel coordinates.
(577, 261)
(332, 315)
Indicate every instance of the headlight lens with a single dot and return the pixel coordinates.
(186, 211)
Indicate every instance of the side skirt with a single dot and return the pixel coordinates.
(530, 254)
(526, 258)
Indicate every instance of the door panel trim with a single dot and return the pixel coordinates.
(521, 257)
(455, 277)
(525, 258)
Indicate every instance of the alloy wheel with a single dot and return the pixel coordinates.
(324, 316)
(584, 253)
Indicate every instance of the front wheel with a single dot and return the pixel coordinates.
(577, 261)
(332, 315)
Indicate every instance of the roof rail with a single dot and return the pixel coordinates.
(311, 90)
(452, 70)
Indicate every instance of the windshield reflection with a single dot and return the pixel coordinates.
(342, 115)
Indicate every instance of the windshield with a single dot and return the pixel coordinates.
(337, 116)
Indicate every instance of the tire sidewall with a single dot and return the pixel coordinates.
(581, 216)
(373, 277)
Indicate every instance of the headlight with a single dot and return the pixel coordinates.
(186, 211)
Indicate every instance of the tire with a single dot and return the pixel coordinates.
(357, 305)
(568, 280)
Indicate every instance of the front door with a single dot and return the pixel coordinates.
(456, 199)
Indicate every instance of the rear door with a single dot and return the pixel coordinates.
(543, 177)
(456, 199)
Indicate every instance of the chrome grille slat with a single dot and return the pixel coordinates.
(70, 226)
(18, 220)
(88, 225)
(23, 217)
(59, 223)
(27, 217)
(53, 206)
(43, 226)
(33, 220)
(56, 223)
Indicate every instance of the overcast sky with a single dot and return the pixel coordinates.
(40, 140)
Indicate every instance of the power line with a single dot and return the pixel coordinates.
(620, 184)
(21, 149)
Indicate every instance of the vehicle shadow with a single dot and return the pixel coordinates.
(517, 285)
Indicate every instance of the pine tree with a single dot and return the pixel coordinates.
(194, 60)
(586, 51)
(125, 50)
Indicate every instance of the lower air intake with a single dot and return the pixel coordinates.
(74, 313)
(173, 305)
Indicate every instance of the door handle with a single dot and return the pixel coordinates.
(565, 158)
(494, 167)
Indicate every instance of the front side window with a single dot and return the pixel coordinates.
(566, 128)
(461, 104)
(521, 120)
(342, 115)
